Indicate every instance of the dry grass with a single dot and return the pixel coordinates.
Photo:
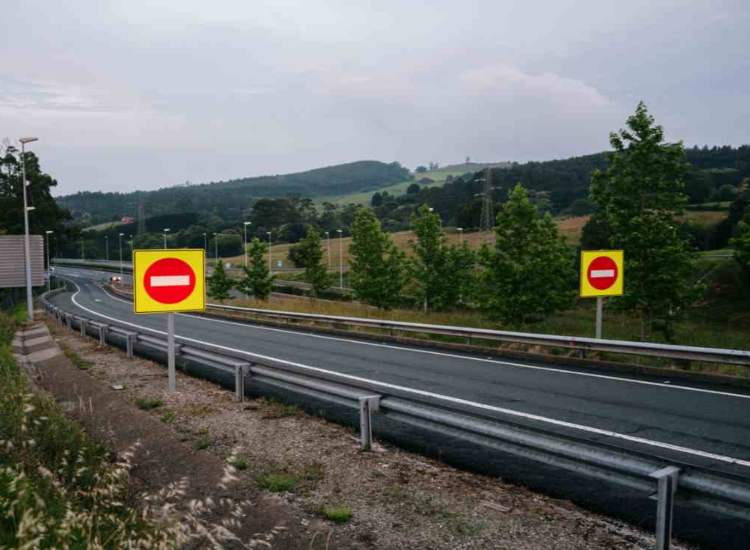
(570, 228)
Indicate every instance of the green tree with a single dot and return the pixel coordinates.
(257, 281)
(440, 271)
(47, 215)
(311, 251)
(529, 273)
(219, 284)
(741, 244)
(641, 195)
(376, 271)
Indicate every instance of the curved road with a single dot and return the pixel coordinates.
(695, 424)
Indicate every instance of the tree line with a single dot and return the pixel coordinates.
(637, 199)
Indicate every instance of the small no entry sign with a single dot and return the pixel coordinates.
(168, 281)
(601, 273)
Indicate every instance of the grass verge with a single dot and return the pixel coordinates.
(57, 487)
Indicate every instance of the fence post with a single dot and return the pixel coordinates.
(666, 486)
(367, 405)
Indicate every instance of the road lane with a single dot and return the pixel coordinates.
(700, 418)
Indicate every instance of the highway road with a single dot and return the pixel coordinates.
(689, 423)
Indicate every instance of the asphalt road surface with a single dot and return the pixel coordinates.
(691, 423)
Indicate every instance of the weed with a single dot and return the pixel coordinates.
(277, 482)
(168, 416)
(148, 403)
(203, 442)
(198, 410)
(313, 472)
(337, 514)
(77, 360)
(276, 409)
(239, 462)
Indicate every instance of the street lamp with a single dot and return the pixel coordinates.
(165, 230)
(49, 276)
(244, 241)
(461, 234)
(328, 246)
(119, 242)
(106, 247)
(270, 244)
(83, 252)
(341, 257)
(216, 247)
(205, 244)
(26, 248)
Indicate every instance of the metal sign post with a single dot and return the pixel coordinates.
(170, 353)
(601, 275)
(169, 281)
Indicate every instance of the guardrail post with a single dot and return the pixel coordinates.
(83, 326)
(367, 405)
(69, 321)
(666, 486)
(240, 371)
(103, 334)
(130, 339)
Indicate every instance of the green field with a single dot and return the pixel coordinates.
(439, 176)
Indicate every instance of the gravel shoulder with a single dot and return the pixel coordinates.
(328, 493)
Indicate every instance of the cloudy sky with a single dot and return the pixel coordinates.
(140, 94)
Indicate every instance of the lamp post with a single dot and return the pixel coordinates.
(328, 246)
(205, 245)
(270, 265)
(341, 257)
(49, 275)
(165, 231)
(119, 242)
(83, 252)
(106, 247)
(244, 240)
(26, 247)
(216, 247)
(460, 234)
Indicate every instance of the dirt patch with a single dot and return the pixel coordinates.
(330, 491)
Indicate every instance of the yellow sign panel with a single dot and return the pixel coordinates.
(602, 273)
(167, 281)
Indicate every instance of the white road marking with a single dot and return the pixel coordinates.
(170, 280)
(665, 385)
(456, 400)
(596, 273)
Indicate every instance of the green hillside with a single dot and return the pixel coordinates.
(439, 176)
(230, 198)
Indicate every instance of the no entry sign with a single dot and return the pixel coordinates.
(168, 281)
(601, 273)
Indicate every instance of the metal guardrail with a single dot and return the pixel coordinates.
(691, 353)
(666, 480)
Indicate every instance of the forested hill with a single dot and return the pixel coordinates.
(230, 197)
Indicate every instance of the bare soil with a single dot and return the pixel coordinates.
(396, 499)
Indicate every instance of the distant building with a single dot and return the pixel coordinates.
(127, 220)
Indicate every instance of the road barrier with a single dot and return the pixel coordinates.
(668, 481)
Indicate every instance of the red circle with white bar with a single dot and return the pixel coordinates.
(602, 272)
(169, 280)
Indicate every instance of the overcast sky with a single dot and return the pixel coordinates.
(138, 94)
